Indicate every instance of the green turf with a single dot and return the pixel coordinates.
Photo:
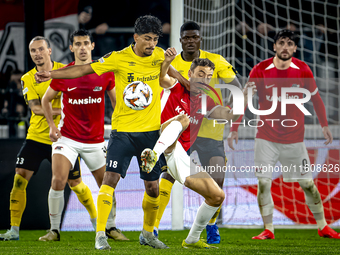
(234, 241)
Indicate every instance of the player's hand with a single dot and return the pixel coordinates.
(328, 135)
(249, 85)
(54, 134)
(42, 76)
(232, 136)
(170, 54)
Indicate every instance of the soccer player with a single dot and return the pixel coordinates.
(81, 130)
(132, 130)
(275, 142)
(209, 143)
(181, 120)
(37, 146)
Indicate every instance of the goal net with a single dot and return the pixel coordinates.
(242, 31)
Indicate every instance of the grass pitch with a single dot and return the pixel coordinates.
(234, 241)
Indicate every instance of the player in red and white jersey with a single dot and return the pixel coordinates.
(81, 128)
(284, 142)
(181, 120)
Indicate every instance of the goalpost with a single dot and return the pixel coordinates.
(242, 32)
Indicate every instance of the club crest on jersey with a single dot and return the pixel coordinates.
(97, 88)
(155, 62)
(59, 148)
(132, 63)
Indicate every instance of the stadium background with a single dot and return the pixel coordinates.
(242, 32)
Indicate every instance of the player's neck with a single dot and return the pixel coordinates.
(82, 62)
(190, 56)
(280, 64)
(48, 66)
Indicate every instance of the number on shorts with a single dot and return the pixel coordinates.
(20, 161)
(113, 164)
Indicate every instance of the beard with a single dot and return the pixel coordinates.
(284, 58)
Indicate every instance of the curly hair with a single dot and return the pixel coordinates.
(148, 24)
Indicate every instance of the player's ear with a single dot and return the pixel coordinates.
(71, 48)
(49, 51)
(135, 37)
(274, 47)
(92, 44)
(189, 73)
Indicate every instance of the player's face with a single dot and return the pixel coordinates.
(191, 41)
(284, 48)
(145, 44)
(39, 52)
(201, 74)
(82, 47)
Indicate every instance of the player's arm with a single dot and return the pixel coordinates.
(320, 110)
(226, 113)
(35, 106)
(165, 80)
(172, 72)
(69, 72)
(46, 104)
(112, 95)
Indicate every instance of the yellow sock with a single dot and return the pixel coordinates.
(214, 217)
(165, 187)
(18, 199)
(104, 205)
(84, 195)
(150, 208)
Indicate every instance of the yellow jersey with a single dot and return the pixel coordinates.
(39, 130)
(224, 71)
(129, 67)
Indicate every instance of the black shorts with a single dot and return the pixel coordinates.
(32, 153)
(207, 148)
(124, 145)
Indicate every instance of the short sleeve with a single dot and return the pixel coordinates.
(225, 70)
(105, 64)
(28, 90)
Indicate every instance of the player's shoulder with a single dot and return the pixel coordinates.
(158, 52)
(57, 65)
(29, 76)
(299, 64)
(265, 64)
(211, 56)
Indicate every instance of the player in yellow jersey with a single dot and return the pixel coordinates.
(132, 130)
(37, 146)
(209, 143)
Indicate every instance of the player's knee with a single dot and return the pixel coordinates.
(152, 188)
(73, 183)
(58, 182)
(184, 120)
(307, 185)
(217, 198)
(264, 185)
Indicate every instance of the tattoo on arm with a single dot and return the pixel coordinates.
(34, 102)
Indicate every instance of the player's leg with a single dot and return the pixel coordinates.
(165, 187)
(296, 154)
(212, 157)
(83, 192)
(28, 162)
(119, 154)
(151, 197)
(64, 156)
(204, 185)
(265, 157)
(94, 156)
(170, 132)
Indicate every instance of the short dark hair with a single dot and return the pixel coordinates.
(148, 24)
(285, 33)
(39, 38)
(80, 32)
(190, 25)
(201, 62)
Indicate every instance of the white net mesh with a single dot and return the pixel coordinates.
(242, 31)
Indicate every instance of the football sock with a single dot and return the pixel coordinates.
(150, 208)
(94, 223)
(168, 136)
(84, 195)
(55, 207)
(104, 204)
(204, 214)
(165, 187)
(212, 221)
(314, 202)
(265, 202)
(18, 200)
(111, 220)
